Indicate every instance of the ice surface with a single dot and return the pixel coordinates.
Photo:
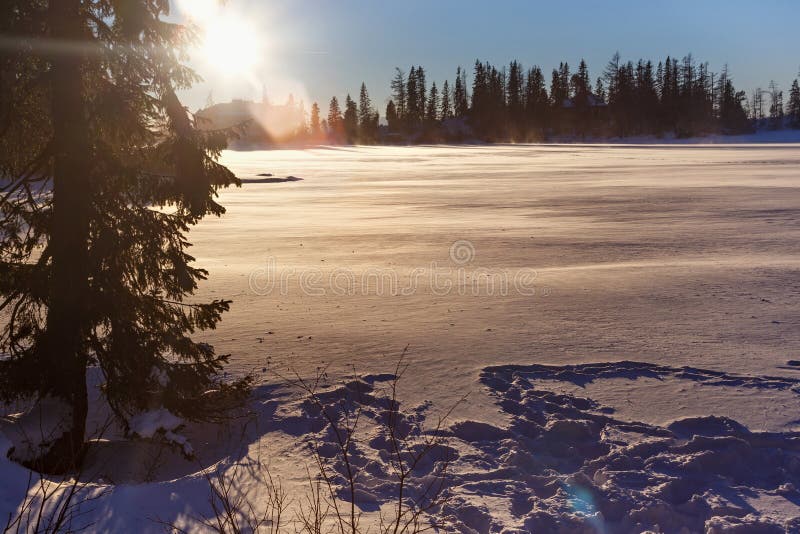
(684, 255)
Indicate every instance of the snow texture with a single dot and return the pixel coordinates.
(562, 463)
(565, 464)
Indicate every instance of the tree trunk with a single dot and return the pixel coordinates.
(63, 352)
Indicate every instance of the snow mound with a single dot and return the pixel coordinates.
(161, 421)
(147, 424)
(35, 430)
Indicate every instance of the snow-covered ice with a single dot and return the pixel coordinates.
(643, 384)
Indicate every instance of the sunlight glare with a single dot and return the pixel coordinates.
(199, 11)
(231, 45)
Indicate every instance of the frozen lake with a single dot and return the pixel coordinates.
(685, 255)
(622, 319)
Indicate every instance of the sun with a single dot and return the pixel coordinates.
(231, 45)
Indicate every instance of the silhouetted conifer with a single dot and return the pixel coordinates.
(314, 121)
(413, 115)
(460, 96)
(537, 103)
(775, 105)
(335, 122)
(422, 97)
(446, 108)
(399, 96)
(516, 101)
(367, 117)
(392, 120)
(90, 272)
(793, 110)
(350, 120)
(600, 91)
(732, 116)
(432, 113)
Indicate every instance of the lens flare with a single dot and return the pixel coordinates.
(198, 11)
(231, 45)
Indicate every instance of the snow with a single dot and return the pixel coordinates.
(35, 429)
(147, 424)
(570, 461)
(645, 383)
(14, 477)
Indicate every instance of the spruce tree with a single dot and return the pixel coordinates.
(516, 100)
(480, 98)
(537, 102)
(581, 85)
(350, 122)
(611, 76)
(668, 97)
(559, 86)
(757, 104)
(432, 113)
(660, 80)
(775, 106)
(392, 120)
(794, 105)
(732, 116)
(581, 90)
(367, 126)
(446, 108)
(497, 117)
(600, 90)
(91, 271)
(399, 95)
(646, 97)
(422, 95)
(703, 104)
(557, 96)
(688, 76)
(314, 122)
(413, 115)
(335, 121)
(460, 98)
(563, 73)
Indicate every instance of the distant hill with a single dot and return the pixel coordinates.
(263, 123)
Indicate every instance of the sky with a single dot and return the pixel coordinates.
(319, 48)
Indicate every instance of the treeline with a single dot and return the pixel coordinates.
(674, 97)
(358, 123)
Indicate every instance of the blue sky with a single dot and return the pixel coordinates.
(320, 48)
